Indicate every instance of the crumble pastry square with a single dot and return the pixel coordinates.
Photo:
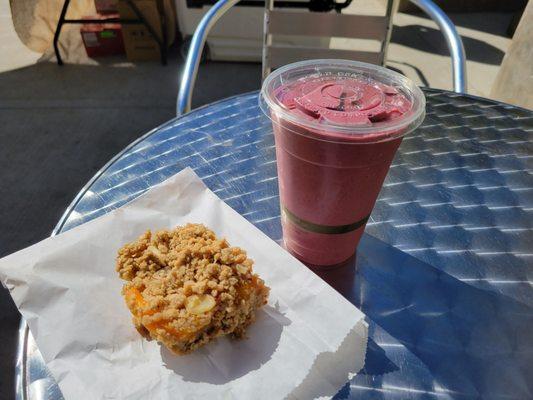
(185, 287)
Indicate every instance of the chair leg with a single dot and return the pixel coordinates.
(267, 39)
(58, 30)
(392, 7)
(162, 16)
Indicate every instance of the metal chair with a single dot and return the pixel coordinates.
(279, 21)
(453, 40)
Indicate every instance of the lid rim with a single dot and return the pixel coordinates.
(268, 103)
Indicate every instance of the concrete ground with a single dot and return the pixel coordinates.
(427, 59)
(418, 49)
(61, 124)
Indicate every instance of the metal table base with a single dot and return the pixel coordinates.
(443, 272)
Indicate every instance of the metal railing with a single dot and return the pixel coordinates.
(453, 40)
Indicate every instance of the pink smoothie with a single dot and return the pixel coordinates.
(336, 136)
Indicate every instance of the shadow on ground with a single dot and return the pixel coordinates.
(433, 42)
(494, 22)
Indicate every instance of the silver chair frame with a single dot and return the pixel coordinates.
(190, 71)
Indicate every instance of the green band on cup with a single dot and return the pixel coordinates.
(327, 229)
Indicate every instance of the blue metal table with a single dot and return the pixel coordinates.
(445, 269)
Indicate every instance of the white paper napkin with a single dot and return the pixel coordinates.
(306, 343)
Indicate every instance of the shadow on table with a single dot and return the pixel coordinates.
(331, 370)
(431, 40)
(224, 363)
(465, 341)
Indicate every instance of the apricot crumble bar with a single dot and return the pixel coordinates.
(185, 287)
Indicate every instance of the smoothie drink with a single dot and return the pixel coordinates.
(337, 126)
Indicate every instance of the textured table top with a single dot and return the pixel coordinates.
(445, 269)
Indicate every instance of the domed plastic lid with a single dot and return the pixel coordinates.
(343, 97)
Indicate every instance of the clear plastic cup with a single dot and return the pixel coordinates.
(337, 126)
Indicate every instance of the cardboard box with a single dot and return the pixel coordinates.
(138, 42)
(102, 40)
(106, 6)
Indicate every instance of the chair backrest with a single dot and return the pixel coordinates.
(323, 24)
(453, 40)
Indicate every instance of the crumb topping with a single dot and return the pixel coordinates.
(186, 287)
